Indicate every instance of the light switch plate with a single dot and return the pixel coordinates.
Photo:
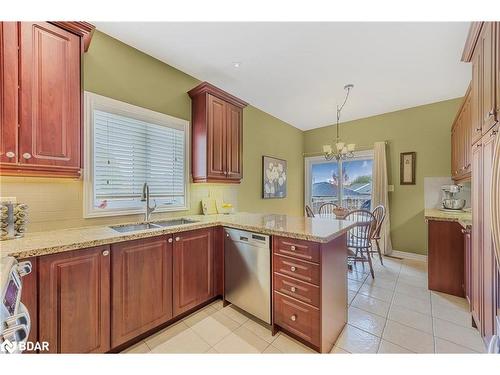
(390, 188)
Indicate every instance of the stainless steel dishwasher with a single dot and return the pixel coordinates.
(247, 272)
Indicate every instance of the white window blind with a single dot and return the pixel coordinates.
(128, 149)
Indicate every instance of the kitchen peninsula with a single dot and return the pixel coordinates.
(127, 285)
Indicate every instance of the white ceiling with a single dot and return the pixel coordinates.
(297, 71)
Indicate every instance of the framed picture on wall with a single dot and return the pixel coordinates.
(407, 164)
(274, 176)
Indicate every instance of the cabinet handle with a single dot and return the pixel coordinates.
(27, 155)
(10, 154)
(478, 129)
(293, 289)
(493, 133)
(292, 248)
(105, 253)
(293, 318)
(170, 240)
(491, 113)
(177, 239)
(293, 269)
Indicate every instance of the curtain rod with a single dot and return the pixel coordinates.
(360, 148)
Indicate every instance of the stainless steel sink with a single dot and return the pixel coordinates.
(172, 222)
(134, 227)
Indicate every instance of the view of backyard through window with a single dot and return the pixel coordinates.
(351, 189)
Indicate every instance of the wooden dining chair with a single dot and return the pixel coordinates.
(359, 237)
(379, 214)
(328, 208)
(309, 211)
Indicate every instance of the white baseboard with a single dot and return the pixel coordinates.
(406, 255)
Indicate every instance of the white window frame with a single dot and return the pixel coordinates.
(309, 161)
(98, 102)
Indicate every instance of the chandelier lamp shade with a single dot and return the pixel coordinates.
(340, 150)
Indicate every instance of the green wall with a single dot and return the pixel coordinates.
(424, 129)
(116, 70)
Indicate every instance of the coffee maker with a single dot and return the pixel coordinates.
(450, 200)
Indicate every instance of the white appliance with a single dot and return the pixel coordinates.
(494, 346)
(247, 272)
(15, 320)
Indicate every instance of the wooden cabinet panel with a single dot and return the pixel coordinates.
(476, 93)
(467, 265)
(461, 141)
(192, 269)
(218, 261)
(8, 92)
(487, 106)
(299, 290)
(497, 70)
(50, 117)
(477, 235)
(29, 298)
(300, 249)
(74, 299)
(234, 134)
(305, 271)
(216, 137)
(142, 287)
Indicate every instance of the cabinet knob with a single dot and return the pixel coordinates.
(105, 253)
(170, 240)
(27, 155)
(177, 239)
(227, 234)
(478, 129)
(493, 133)
(292, 248)
(491, 113)
(293, 289)
(10, 154)
(293, 318)
(293, 269)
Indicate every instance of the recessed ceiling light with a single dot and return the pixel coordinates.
(236, 64)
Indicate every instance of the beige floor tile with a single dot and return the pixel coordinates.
(454, 315)
(211, 330)
(361, 268)
(286, 344)
(211, 351)
(409, 338)
(447, 347)
(139, 348)
(354, 285)
(260, 330)
(272, 350)
(411, 318)
(357, 276)
(350, 296)
(196, 317)
(371, 304)
(387, 347)
(355, 340)
(366, 321)
(185, 342)
(422, 306)
(251, 338)
(381, 283)
(217, 305)
(413, 280)
(413, 291)
(225, 320)
(386, 274)
(449, 301)
(165, 335)
(376, 292)
(337, 350)
(234, 314)
(234, 344)
(468, 337)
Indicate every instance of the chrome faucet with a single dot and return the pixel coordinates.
(145, 198)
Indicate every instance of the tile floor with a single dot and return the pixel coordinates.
(395, 313)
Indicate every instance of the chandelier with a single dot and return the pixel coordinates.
(341, 150)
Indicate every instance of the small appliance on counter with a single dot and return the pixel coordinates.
(450, 202)
(15, 323)
(13, 219)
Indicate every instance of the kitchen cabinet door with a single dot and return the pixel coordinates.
(477, 232)
(467, 265)
(8, 92)
(497, 69)
(454, 151)
(141, 286)
(487, 94)
(216, 138)
(29, 298)
(49, 133)
(192, 269)
(466, 134)
(476, 94)
(234, 134)
(74, 297)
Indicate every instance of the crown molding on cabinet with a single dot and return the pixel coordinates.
(470, 42)
(83, 29)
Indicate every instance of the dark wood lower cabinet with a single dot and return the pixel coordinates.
(141, 287)
(74, 301)
(193, 268)
(29, 297)
(467, 265)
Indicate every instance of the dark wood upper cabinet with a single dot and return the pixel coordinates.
(487, 46)
(41, 97)
(141, 287)
(476, 252)
(193, 269)
(74, 300)
(217, 135)
(461, 141)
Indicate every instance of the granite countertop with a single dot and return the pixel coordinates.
(41, 243)
(462, 217)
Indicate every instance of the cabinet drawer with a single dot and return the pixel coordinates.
(304, 250)
(298, 269)
(297, 317)
(297, 289)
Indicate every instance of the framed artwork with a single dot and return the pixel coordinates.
(407, 168)
(274, 176)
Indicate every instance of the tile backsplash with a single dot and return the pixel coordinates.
(58, 203)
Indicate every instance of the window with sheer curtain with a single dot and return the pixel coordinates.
(127, 146)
